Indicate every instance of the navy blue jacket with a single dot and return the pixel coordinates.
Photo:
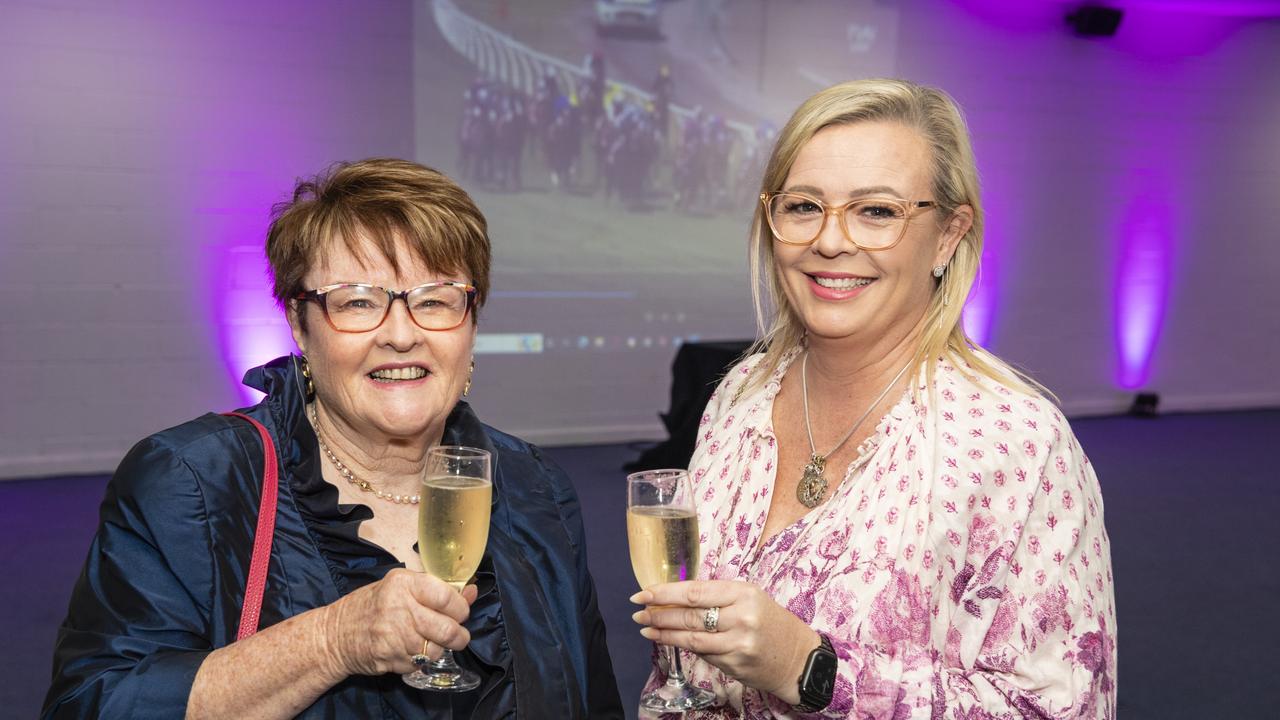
(165, 577)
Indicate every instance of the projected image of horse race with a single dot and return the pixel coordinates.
(616, 147)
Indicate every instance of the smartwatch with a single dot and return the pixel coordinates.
(818, 681)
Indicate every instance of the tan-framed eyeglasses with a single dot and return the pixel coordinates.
(871, 223)
(358, 307)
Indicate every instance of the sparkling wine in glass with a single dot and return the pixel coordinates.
(453, 529)
(662, 531)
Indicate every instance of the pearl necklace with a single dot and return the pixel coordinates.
(351, 477)
(813, 486)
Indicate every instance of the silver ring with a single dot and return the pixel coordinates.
(711, 619)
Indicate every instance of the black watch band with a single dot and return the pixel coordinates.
(818, 681)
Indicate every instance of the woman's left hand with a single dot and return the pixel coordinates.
(755, 640)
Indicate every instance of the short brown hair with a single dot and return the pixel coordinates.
(388, 201)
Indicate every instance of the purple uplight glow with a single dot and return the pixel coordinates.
(992, 142)
(1173, 31)
(980, 309)
(252, 330)
(1016, 16)
(1143, 273)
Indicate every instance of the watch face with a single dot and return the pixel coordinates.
(822, 675)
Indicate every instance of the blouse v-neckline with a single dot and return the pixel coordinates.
(866, 449)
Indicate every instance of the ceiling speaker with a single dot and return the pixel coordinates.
(1094, 21)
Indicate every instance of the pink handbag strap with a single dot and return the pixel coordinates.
(256, 584)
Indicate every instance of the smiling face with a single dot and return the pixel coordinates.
(397, 382)
(837, 290)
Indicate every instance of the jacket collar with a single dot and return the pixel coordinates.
(464, 428)
(285, 387)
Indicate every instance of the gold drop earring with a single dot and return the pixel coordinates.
(306, 373)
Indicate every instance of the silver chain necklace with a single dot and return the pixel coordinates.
(350, 476)
(813, 486)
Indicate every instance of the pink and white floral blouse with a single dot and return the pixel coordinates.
(961, 569)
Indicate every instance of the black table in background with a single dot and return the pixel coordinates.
(695, 373)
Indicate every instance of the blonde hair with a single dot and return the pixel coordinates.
(390, 201)
(937, 118)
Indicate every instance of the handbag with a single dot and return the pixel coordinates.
(256, 585)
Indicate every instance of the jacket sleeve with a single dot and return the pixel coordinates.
(136, 630)
(602, 698)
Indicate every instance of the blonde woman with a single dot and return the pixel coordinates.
(894, 523)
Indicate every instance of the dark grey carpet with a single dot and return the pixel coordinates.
(1192, 503)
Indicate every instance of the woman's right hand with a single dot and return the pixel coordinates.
(379, 627)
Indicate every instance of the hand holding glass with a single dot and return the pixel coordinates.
(662, 531)
(453, 529)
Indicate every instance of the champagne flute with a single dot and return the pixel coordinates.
(662, 531)
(453, 529)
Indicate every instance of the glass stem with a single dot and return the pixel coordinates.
(675, 678)
(446, 662)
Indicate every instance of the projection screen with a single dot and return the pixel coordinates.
(616, 148)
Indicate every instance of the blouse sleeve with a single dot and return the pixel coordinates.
(1024, 623)
(135, 632)
(1033, 624)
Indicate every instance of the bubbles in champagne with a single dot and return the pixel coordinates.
(453, 526)
(664, 544)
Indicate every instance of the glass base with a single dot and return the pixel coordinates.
(676, 698)
(455, 679)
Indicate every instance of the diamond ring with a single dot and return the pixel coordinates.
(421, 658)
(711, 619)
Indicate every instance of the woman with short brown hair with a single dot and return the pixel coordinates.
(346, 607)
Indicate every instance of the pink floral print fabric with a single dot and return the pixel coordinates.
(961, 567)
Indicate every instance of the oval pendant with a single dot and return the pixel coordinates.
(813, 486)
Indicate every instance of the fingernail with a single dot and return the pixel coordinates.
(641, 598)
(649, 633)
(641, 617)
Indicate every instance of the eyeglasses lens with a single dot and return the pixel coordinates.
(873, 223)
(358, 308)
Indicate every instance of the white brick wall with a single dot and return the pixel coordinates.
(139, 139)
(1068, 133)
